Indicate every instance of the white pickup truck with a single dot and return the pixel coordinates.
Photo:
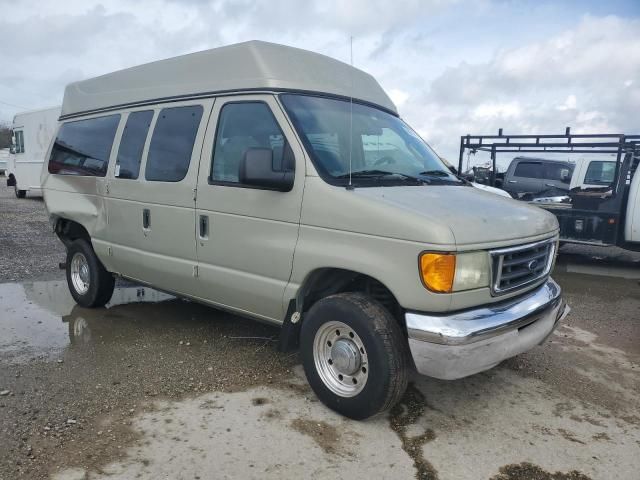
(593, 173)
(603, 205)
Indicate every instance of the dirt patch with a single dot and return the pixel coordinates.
(259, 401)
(528, 471)
(631, 419)
(562, 408)
(588, 419)
(567, 435)
(542, 430)
(326, 436)
(30, 249)
(406, 413)
(272, 414)
(601, 436)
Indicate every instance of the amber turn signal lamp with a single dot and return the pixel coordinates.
(437, 271)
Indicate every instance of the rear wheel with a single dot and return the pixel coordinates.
(19, 193)
(89, 282)
(354, 355)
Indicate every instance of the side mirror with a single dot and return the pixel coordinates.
(256, 169)
(565, 176)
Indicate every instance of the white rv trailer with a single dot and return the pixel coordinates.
(4, 157)
(32, 133)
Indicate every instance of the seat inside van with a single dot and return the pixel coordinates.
(249, 126)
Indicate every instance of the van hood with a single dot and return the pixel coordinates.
(473, 216)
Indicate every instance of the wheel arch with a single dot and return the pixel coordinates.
(326, 281)
(69, 231)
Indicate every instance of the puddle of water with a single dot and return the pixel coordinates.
(39, 319)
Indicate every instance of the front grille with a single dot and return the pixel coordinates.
(517, 267)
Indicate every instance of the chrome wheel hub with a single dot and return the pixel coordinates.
(346, 356)
(80, 277)
(340, 359)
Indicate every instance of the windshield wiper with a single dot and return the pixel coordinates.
(434, 173)
(379, 174)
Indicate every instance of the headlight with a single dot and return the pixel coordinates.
(472, 271)
(447, 272)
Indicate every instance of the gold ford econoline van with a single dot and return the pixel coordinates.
(282, 185)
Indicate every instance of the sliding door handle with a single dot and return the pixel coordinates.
(146, 219)
(204, 226)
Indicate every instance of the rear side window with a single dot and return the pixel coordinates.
(83, 147)
(132, 144)
(554, 171)
(243, 126)
(528, 170)
(19, 135)
(600, 173)
(172, 143)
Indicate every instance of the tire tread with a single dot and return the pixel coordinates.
(384, 327)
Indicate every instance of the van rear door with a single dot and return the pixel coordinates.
(246, 235)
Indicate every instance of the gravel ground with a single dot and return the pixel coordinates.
(146, 387)
(28, 248)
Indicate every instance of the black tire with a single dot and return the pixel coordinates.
(386, 352)
(19, 193)
(101, 283)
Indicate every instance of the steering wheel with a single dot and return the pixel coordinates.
(384, 160)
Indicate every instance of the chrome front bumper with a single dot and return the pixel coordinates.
(463, 343)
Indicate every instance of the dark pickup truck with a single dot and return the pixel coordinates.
(529, 178)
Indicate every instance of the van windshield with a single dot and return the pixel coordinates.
(384, 149)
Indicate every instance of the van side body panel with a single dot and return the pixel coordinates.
(164, 254)
(245, 259)
(80, 199)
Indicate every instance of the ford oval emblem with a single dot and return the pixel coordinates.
(532, 265)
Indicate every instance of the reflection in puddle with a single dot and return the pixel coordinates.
(39, 319)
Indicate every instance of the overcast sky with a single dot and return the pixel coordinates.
(452, 67)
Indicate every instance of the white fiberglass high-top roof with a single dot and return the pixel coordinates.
(247, 66)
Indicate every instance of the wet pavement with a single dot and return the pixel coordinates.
(156, 387)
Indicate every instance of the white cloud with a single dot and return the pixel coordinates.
(569, 104)
(445, 81)
(398, 96)
(579, 78)
(508, 110)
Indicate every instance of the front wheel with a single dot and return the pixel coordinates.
(354, 355)
(19, 193)
(89, 282)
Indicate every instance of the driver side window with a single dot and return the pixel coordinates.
(243, 126)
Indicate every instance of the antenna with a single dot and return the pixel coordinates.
(350, 109)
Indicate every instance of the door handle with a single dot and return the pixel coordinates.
(204, 226)
(512, 181)
(146, 219)
(549, 185)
